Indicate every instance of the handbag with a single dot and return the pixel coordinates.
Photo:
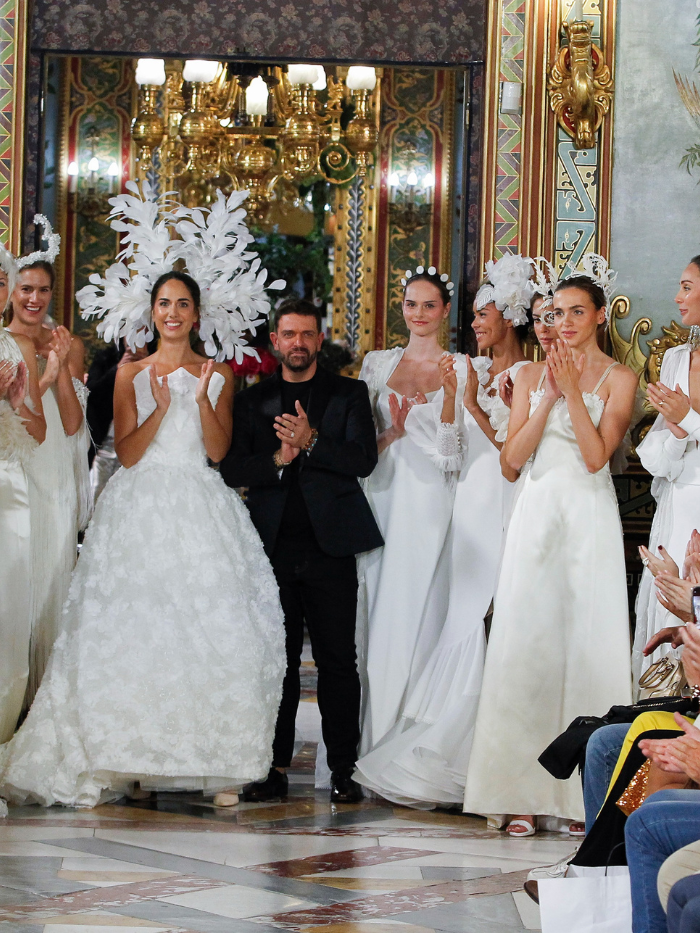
(596, 903)
(663, 678)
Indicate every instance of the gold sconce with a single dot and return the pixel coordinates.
(203, 126)
(411, 196)
(580, 84)
(89, 190)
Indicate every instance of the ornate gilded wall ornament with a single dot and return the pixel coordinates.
(673, 336)
(580, 86)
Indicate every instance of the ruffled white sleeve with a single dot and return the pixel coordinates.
(661, 452)
(445, 444)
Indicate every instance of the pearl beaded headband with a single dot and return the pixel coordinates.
(420, 270)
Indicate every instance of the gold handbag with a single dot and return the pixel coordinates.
(664, 678)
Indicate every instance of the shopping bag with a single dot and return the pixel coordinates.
(599, 904)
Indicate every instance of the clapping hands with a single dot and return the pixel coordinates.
(13, 382)
(673, 404)
(564, 369)
(201, 393)
(160, 390)
(448, 375)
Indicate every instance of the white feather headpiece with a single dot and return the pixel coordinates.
(48, 255)
(546, 279)
(159, 233)
(597, 269)
(8, 264)
(509, 286)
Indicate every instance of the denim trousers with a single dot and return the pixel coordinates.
(602, 752)
(666, 821)
(684, 906)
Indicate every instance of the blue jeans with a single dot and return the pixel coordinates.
(602, 752)
(666, 821)
(684, 906)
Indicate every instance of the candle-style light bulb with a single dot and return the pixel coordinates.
(361, 78)
(150, 71)
(302, 74)
(256, 95)
(93, 165)
(412, 179)
(394, 180)
(73, 177)
(320, 83)
(199, 70)
(429, 180)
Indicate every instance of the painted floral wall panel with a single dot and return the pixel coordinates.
(450, 31)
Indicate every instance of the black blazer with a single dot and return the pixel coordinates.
(346, 448)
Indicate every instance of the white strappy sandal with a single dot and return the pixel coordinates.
(528, 828)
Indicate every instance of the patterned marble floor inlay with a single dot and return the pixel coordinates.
(178, 864)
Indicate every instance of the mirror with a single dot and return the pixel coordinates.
(391, 178)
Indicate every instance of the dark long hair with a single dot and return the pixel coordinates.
(186, 280)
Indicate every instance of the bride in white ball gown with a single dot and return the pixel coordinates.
(168, 668)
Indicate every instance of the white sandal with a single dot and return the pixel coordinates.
(226, 798)
(529, 829)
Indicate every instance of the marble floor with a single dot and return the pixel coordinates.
(177, 863)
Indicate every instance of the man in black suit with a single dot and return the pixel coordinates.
(300, 440)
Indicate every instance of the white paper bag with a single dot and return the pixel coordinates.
(586, 905)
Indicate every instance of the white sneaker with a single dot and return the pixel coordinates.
(558, 870)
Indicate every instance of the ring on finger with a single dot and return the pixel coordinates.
(645, 561)
(291, 434)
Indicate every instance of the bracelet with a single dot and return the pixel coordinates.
(311, 443)
(695, 695)
(280, 463)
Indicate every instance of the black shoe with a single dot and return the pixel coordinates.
(344, 789)
(532, 889)
(275, 784)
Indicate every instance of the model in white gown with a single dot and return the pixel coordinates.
(422, 761)
(675, 465)
(169, 665)
(17, 447)
(403, 593)
(59, 491)
(559, 645)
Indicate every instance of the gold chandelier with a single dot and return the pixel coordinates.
(202, 125)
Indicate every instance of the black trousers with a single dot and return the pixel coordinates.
(320, 591)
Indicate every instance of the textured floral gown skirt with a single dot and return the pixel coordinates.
(169, 665)
(560, 641)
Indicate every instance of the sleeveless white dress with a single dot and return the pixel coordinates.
(559, 645)
(422, 762)
(55, 476)
(16, 450)
(169, 665)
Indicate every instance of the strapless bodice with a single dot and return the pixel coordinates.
(179, 439)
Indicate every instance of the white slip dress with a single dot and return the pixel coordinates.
(168, 668)
(60, 501)
(559, 645)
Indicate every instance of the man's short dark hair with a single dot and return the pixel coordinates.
(297, 306)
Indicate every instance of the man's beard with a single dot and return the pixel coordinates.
(298, 361)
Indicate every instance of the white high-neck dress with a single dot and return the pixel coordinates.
(675, 465)
(169, 665)
(559, 645)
